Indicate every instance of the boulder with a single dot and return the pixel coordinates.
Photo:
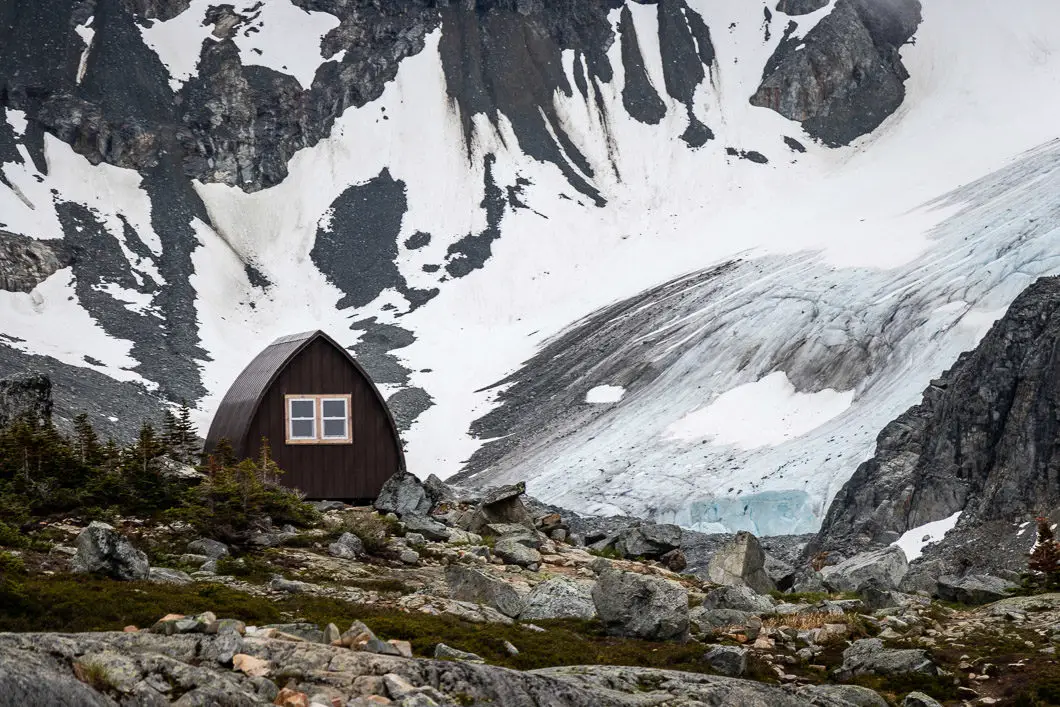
(210, 548)
(347, 547)
(674, 560)
(403, 494)
(974, 588)
(885, 568)
(705, 622)
(468, 584)
(919, 699)
(427, 527)
(515, 553)
(438, 491)
(741, 562)
(512, 531)
(650, 541)
(868, 656)
(30, 679)
(164, 575)
(782, 574)
(559, 598)
(727, 660)
(102, 550)
(740, 599)
(501, 505)
(462, 537)
(641, 606)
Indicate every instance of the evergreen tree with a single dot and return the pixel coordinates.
(185, 439)
(86, 442)
(1045, 558)
(169, 433)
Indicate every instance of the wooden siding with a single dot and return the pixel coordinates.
(335, 471)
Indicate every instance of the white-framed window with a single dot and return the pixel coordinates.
(318, 419)
(334, 418)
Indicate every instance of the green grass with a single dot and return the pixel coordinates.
(69, 603)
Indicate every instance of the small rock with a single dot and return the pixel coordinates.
(288, 697)
(444, 652)
(510, 648)
(250, 666)
(404, 648)
(415, 539)
(211, 548)
(675, 560)
(331, 634)
(164, 575)
(289, 585)
(409, 556)
(347, 547)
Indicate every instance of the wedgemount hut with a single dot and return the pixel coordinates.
(327, 425)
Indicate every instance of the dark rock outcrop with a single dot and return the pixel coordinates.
(845, 76)
(27, 395)
(983, 441)
(25, 263)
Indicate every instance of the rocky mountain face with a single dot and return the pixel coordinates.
(84, 72)
(982, 443)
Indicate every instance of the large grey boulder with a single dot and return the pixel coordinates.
(883, 568)
(727, 660)
(403, 494)
(974, 588)
(741, 562)
(469, 584)
(641, 606)
(503, 504)
(868, 656)
(347, 547)
(560, 598)
(515, 553)
(438, 490)
(102, 550)
(649, 540)
(427, 527)
(740, 599)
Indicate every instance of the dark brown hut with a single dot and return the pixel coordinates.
(327, 424)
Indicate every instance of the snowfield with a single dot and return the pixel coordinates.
(796, 306)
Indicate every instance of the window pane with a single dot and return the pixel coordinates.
(334, 408)
(302, 429)
(335, 429)
(302, 409)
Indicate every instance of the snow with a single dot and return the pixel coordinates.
(275, 34)
(17, 120)
(914, 541)
(49, 321)
(605, 394)
(86, 33)
(764, 413)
